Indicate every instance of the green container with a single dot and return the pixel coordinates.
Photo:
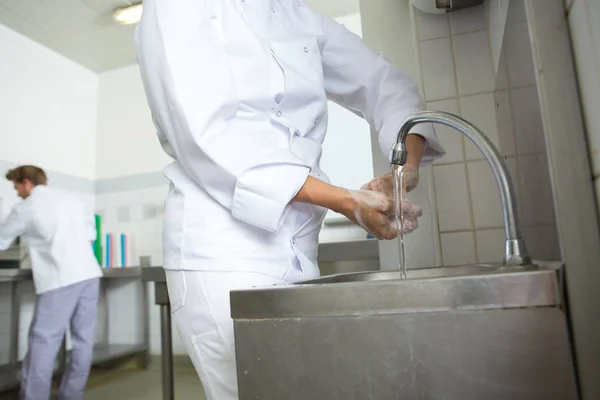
(98, 242)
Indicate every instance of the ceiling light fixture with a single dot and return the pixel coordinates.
(128, 15)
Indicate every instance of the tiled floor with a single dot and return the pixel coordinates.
(128, 383)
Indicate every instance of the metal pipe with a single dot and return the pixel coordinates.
(146, 324)
(167, 352)
(14, 324)
(515, 249)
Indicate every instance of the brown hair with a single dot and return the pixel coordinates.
(33, 174)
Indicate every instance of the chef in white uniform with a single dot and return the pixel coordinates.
(66, 276)
(238, 91)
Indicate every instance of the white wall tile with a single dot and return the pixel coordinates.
(458, 248)
(516, 12)
(480, 110)
(527, 121)
(490, 245)
(438, 69)
(535, 189)
(452, 197)
(450, 138)
(519, 56)
(506, 134)
(473, 63)
(468, 20)
(432, 26)
(487, 208)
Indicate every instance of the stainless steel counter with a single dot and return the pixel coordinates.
(23, 274)
(456, 333)
(14, 275)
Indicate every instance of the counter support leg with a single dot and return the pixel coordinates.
(144, 360)
(167, 352)
(15, 332)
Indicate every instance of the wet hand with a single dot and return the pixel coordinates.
(385, 183)
(372, 211)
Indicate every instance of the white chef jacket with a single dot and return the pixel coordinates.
(58, 233)
(238, 91)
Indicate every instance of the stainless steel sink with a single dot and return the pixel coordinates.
(421, 273)
(467, 332)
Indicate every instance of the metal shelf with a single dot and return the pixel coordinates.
(121, 272)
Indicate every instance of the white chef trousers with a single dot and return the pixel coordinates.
(201, 311)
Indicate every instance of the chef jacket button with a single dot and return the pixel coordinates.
(306, 49)
(278, 113)
(316, 121)
(293, 240)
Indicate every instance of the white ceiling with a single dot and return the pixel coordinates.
(83, 30)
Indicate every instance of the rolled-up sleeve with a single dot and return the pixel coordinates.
(14, 226)
(187, 75)
(368, 85)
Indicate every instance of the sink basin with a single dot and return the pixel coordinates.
(453, 288)
(468, 332)
(421, 273)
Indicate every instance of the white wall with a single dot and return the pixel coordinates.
(584, 23)
(126, 143)
(49, 107)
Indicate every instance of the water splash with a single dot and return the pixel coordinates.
(399, 217)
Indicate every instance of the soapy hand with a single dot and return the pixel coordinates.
(374, 212)
(385, 185)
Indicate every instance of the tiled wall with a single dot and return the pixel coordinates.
(460, 76)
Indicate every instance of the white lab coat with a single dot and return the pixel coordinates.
(238, 92)
(58, 233)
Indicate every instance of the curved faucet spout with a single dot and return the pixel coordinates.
(515, 250)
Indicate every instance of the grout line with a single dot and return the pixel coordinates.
(496, 228)
(506, 157)
(472, 94)
(452, 34)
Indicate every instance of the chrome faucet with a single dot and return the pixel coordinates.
(515, 250)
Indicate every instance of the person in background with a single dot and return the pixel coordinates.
(238, 92)
(66, 275)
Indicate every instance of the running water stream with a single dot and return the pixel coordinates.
(399, 217)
